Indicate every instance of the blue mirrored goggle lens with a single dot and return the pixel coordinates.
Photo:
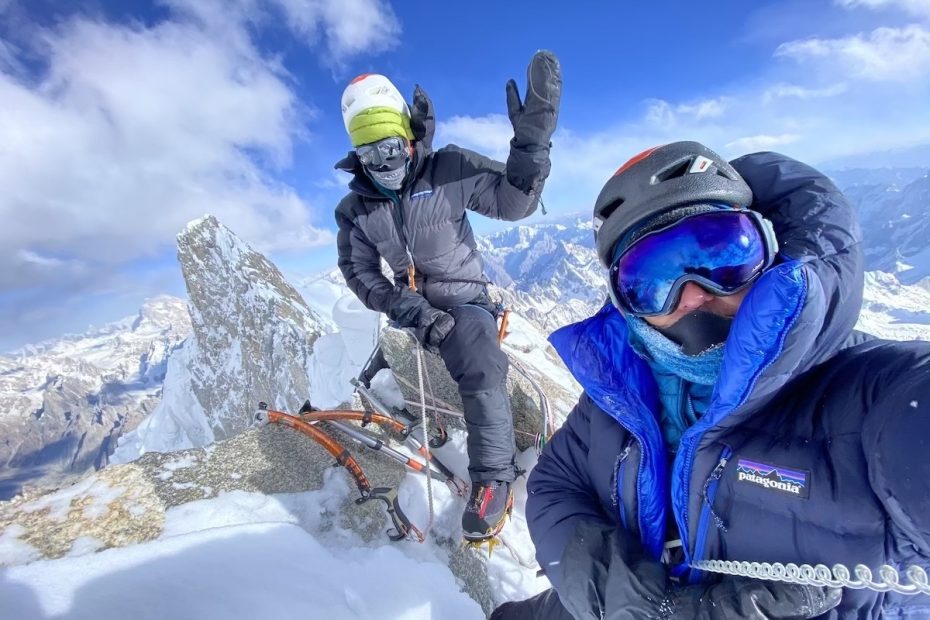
(381, 152)
(723, 251)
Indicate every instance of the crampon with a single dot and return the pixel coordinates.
(491, 539)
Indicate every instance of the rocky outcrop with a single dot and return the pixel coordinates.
(252, 341)
(126, 504)
(254, 331)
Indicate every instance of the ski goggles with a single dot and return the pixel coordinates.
(390, 152)
(722, 251)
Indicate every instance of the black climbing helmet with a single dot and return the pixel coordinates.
(660, 179)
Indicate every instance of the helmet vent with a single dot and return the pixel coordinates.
(607, 211)
(674, 171)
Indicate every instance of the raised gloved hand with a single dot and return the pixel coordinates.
(433, 327)
(606, 574)
(534, 119)
(422, 118)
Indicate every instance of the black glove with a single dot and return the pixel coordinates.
(606, 574)
(738, 597)
(433, 327)
(422, 118)
(535, 118)
(533, 123)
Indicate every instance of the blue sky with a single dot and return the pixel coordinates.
(125, 120)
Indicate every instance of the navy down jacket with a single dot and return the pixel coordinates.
(814, 448)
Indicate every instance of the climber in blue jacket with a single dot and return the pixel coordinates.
(730, 411)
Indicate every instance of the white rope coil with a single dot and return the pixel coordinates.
(889, 580)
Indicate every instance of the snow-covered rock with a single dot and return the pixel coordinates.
(252, 341)
(893, 310)
(138, 516)
(338, 357)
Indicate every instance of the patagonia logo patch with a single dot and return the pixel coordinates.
(423, 194)
(794, 482)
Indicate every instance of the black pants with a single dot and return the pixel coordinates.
(544, 606)
(479, 367)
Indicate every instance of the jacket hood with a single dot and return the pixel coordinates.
(798, 314)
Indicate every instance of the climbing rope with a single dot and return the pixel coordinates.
(432, 399)
(822, 575)
(426, 450)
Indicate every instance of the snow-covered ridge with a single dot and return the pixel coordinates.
(121, 350)
(893, 310)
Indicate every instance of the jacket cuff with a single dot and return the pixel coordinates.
(528, 167)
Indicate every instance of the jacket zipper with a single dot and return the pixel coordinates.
(620, 478)
(709, 493)
(398, 217)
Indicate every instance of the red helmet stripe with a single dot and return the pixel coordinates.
(635, 159)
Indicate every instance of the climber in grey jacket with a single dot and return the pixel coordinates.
(407, 205)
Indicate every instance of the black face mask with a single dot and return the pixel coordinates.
(385, 161)
(390, 178)
(698, 331)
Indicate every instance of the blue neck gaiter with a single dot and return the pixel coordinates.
(686, 383)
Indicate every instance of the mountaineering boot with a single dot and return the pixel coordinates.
(487, 506)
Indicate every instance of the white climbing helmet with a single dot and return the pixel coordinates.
(371, 90)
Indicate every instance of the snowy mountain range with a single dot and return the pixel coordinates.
(551, 271)
(895, 220)
(64, 402)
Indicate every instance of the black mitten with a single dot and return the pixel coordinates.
(736, 597)
(534, 119)
(606, 574)
(422, 117)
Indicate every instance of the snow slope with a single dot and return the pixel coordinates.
(241, 555)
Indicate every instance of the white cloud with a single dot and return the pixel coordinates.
(348, 27)
(762, 142)
(708, 108)
(134, 131)
(920, 8)
(885, 54)
(660, 113)
(816, 110)
(337, 179)
(666, 115)
(489, 135)
(342, 29)
(784, 91)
